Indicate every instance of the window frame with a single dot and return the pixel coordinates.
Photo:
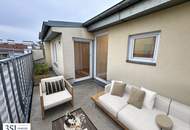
(55, 53)
(141, 60)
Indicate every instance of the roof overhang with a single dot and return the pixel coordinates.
(78, 39)
(114, 9)
(44, 30)
(47, 25)
(128, 10)
(124, 11)
(51, 35)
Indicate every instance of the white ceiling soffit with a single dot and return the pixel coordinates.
(142, 8)
(51, 35)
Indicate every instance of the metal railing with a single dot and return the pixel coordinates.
(16, 88)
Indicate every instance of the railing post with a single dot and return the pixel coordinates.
(1, 124)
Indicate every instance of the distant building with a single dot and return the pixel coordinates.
(11, 48)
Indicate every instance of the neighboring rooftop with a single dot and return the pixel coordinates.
(5, 46)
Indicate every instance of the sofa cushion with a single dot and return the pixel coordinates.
(136, 97)
(56, 99)
(179, 124)
(180, 111)
(113, 104)
(162, 103)
(118, 89)
(139, 119)
(149, 99)
(129, 87)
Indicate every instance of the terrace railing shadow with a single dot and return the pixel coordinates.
(16, 86)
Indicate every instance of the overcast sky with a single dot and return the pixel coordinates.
(22, 19)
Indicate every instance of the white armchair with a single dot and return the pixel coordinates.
(51, 100)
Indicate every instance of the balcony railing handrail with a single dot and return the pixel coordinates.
(13, 58)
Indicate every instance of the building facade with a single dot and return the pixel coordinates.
(145, 43)
(10, 49)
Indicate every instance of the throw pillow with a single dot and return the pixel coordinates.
(112, 84)
(48, 88)
(118, 89)
(150, 97)
(55, 86)
(61, 85)
(136, 97)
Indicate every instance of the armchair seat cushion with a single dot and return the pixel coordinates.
(56, 99)
(139, 119)
(113, 104)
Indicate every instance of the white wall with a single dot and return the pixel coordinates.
(37, 54)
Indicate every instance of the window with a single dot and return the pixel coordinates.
(55, 53)
(143, 48)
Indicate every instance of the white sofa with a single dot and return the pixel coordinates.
(144, 119)
(57, 98)
(180, 115)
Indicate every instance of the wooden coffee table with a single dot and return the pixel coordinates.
(58, 124)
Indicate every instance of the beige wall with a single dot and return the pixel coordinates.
(171, 76)
(68, 47)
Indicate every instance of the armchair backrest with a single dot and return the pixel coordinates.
(51, 79)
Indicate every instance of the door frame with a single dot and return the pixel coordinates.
(89, 41)
(97, 78)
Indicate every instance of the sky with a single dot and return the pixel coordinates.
(22, 19)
